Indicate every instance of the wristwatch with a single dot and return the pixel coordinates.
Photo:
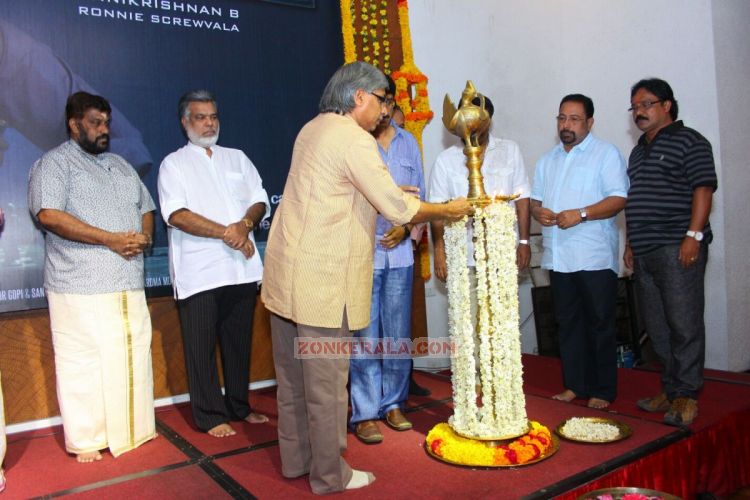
(523, 242)
(248, 223)
(698, 235)
(584, 214)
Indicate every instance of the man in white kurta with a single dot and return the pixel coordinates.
(98, 218)
(212, 198)
(504, 174)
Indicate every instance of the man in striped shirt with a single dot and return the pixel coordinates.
(672, 181)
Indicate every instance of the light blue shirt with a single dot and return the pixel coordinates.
(404, 162)
(591, 171)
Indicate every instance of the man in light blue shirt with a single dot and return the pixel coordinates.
(579, 187)
(379, 387)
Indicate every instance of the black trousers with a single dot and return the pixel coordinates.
(584, 303)
(223, 315)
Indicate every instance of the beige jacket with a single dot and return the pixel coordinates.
(318, 259)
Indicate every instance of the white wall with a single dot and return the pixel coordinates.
(732, 75)
(527, 54)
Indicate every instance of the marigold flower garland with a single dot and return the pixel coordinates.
(375, 42)
(373, 15)
(446, 444)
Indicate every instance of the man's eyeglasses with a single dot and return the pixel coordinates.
(575, 119)
(388, 101)
(644, 105)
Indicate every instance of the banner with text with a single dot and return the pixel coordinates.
(266, 61)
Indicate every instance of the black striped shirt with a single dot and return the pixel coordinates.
(663, 175)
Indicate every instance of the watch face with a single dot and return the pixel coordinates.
(699, 236)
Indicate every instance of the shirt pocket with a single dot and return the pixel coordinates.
(405, 173)
(239, 188)
(497, 180)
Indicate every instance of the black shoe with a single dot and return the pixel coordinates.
(417, 390)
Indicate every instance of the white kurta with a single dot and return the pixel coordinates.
(221, 188)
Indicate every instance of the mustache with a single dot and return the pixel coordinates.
(640, 117)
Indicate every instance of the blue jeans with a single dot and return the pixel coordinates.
(377, 385)
(671, 302)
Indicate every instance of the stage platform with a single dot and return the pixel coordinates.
(713, 455)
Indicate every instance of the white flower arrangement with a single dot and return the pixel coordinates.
(503, 408)
(585, 429)
(460, 327)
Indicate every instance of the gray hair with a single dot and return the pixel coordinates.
(338, 96)
(183, 110)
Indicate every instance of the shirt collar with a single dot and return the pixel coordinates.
(491, 144)
(582, 146)
(399, 131)
(668, 130)
(200, 149)
(82, 151)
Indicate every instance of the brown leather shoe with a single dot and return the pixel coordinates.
(657, 404)
(368, 432)
(396, 420)
(682, 412)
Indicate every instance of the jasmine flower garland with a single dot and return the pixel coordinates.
(460, 327)
(503, 409)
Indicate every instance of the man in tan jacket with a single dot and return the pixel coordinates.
(318, 268)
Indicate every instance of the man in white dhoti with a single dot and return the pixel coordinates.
(98, 218)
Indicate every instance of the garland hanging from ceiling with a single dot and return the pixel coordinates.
(377, 32)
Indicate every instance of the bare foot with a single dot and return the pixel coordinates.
(597, 403)
(92, 456)
(256, 418)
(567, 396)
(222, 430)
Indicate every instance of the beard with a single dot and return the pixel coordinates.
(203, 141)
(95, 147)
(567, 136)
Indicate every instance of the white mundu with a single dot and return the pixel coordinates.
(105, 386)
